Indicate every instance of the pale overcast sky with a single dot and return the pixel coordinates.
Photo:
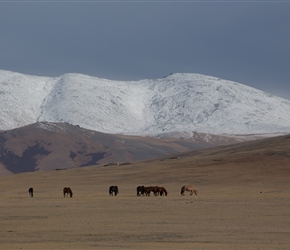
(242, 41)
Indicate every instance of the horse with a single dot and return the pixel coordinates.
(140, 190)
(190, 189)
(148, 190)
(30, 191)
(67, 191)
(113, 190)
(161, 191)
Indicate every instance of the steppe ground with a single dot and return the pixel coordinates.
(240, 205)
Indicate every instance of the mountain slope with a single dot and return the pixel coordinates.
(180, 104)
(46, 146)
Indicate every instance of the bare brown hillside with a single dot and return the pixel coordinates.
(44, 146)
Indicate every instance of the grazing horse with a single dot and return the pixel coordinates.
(190, 189)
(113, 190)
(148, 190)
(161, 191)
(67, 191)
(140, 190)
(30, 191)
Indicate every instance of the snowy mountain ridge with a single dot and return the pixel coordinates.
(179, 103)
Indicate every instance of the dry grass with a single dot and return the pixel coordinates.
(243, 203)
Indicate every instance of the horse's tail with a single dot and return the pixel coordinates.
(182, 190)
(165, 191)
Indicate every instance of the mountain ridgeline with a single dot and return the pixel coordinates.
(179, 104)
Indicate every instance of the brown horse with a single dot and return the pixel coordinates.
(190, 189)
(148, 190)
(67, 191)
(30, 191)
(161, 191)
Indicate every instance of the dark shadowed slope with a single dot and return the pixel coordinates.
(44, 146)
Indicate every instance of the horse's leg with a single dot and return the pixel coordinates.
(182, 190)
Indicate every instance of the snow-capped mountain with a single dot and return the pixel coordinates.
(179, 103)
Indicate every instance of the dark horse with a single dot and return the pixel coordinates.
(67, 191)
(113, 190)
(148, 190)
(155, 190)
(140, 190)
(30, 191)
(161, 191)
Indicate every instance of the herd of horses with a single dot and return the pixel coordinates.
(141, 191)
(156, 190)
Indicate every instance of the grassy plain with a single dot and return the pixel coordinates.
(243, 203)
